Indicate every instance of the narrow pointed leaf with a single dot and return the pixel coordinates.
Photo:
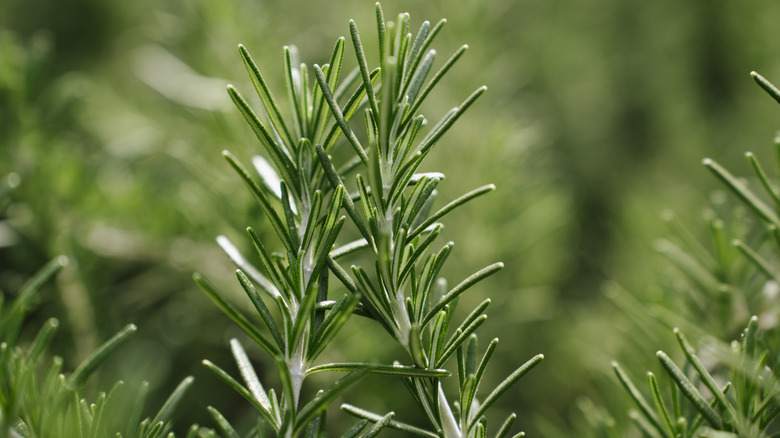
(451, 206)
(91, 363)
(507, 383)
(361, 413)
(462, 287)
(390, 370)
(690, 391)
(743, 193)
(766, 85)
(313, 408)
(231, 311)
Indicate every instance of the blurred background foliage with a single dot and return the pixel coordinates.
(597, 114)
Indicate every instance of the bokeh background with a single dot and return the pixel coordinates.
(597, 115)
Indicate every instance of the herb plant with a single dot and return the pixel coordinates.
(396, 283)
(722, 390)
(39, 399)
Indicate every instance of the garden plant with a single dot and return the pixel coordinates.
(396, 281)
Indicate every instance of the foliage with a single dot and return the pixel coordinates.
(110, 115)
(38, 399)
(723, 391)
(397, 283)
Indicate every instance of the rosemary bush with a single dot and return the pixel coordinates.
(39, 399)
(728, 386)
(396, 283)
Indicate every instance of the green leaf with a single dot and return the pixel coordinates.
(320, 118)
(446, 123)
(363, 65)
(225, 377)
(41, 341)
(640, 401)
(314, 407)
(766, 85)
(278, 155)
(137, 410)
(740, 189)
(265, 314)
(504, 429)
(690, 391)
(11, 319)
(458, 338)
(704, 374)
(312, 219)
(658, 401)
(348, 248)
(370, 416)
(223, 424)
(269, 211)
(760, 262)
(265, 95)
(248, 374)
(451, 206)
(485, 360)
(763, 178)
(268, 263)
(390, 370)
(302, 319)
(231, 311)
(439, 74)
(339, 116)
(507, 383)
(335, 181)
(165, 412)
(332, 323)
(381, 424)
(79, 377)
(462, 287)
(355, 430)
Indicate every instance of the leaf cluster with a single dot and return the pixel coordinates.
(39, 399)
(302, 190)
(723, 391)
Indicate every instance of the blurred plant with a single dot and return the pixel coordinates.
(302, 194)
(37, 399)
(732, 391)
(745, 406)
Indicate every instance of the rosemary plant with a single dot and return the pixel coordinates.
(396, 283)
(38, 399)
(738, 396)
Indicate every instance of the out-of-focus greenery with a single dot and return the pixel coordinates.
(597, 114)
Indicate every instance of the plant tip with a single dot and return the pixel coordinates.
(707, 161)
(62, 261)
